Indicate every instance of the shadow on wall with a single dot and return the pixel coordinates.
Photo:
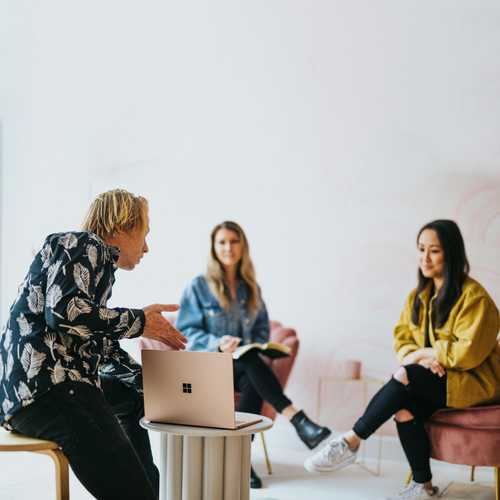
(478, 213)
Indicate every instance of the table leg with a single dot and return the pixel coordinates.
(245, 467)
(192, 467)
(174, 468)
(213, 462)
(232, 467)
(163, 465)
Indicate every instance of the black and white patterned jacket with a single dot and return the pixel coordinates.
(59, 327)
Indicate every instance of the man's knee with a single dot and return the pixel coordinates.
(403, 416)
(401, 375)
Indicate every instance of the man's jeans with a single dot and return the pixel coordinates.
(99, 434)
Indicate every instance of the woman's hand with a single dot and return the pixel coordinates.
(416, 356)
(433, 365)
(228, 343)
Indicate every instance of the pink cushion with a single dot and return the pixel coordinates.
(145, 343)
(479, 417)
(469, 436)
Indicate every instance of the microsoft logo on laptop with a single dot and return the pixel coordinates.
(187, 388)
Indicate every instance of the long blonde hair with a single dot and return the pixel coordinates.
(245, 270)
(114, 211)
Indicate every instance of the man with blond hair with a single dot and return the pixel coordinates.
(63, 374)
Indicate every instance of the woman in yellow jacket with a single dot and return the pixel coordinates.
(446, 342)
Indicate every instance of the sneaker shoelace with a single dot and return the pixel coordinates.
(334, 450)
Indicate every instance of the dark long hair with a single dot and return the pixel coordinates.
(455, 271)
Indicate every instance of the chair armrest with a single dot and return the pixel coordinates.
(283, 335)
(156, 345)
(282, 367)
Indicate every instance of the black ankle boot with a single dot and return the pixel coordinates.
(310, 433)
(255, 481)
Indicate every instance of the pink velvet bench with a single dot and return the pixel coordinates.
(469, 436)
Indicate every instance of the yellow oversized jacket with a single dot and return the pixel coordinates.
(466, 345)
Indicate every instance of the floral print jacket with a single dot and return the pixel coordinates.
(59, 327)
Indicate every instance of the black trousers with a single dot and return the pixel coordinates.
(256, 382)
(424, 395)
(99, 434)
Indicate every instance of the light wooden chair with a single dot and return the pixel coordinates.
(11, 442)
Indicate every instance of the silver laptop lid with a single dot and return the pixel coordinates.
(191, 388)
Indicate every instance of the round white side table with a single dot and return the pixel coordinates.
(200, 463)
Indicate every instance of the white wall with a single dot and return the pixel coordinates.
(331, 130)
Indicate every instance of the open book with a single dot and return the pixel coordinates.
(270, 349)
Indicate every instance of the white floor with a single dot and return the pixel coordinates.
(28, 476)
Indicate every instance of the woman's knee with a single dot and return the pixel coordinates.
(251, 358)
(403, 416)
(401, 375)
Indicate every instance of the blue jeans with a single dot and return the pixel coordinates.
(99, 434)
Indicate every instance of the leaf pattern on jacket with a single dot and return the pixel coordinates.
(92, 255)
(21, 288)
(54, 295)
(1, 367)
(25, 327)
(74, 375)
(68, 241)
(9, 366)
(134, 329)
(24, 391)
(52, 272)
(77, 306)
(107, 314)
(46, 255)
(123, 321)
(81, 276)
(32, 360)
(50, 340)
(7, 405)
(58, 374)
(106, 295)
(79, 330)
(66, 341)
(63, 352)
(98, 277)
(7, 339)
(36, 299)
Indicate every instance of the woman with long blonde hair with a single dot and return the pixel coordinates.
(223, 309)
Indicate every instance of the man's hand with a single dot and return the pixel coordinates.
(159, 328)
(228, 343)
(433, 365)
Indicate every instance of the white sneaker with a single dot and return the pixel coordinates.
(415, 491)
(334, 456)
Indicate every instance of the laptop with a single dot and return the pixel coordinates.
(191, 388)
